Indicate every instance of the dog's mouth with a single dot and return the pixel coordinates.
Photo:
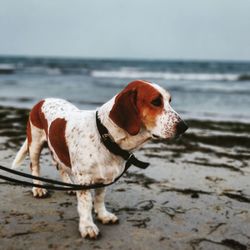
(172, 138)
(158, 137)
(155, 137)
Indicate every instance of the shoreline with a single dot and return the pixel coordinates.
(195, 194)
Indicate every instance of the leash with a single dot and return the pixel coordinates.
(59, 186)
(114, 148)
(63, 186)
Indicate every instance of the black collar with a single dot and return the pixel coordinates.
(115, 148)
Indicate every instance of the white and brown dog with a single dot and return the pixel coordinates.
(137, 114)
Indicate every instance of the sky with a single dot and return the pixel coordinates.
(130, 29)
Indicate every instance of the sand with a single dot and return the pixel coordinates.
(195, 195)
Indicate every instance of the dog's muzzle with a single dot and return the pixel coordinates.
(181, 128)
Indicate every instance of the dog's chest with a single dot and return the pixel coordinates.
(88, 155)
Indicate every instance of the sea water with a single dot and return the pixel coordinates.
(200, 89)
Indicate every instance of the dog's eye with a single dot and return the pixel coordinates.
(157, 102)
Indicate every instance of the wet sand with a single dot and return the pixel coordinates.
(195, 195)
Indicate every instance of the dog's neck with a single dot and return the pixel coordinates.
(120, 136)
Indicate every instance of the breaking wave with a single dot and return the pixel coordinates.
(134, 74)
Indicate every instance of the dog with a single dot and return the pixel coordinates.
(140, 112)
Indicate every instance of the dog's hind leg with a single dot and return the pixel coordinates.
(35, 148)
(65, 178)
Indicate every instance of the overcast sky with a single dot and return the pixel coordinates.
(153, 29)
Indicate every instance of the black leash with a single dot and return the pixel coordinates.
(60, 186)
(63, 186)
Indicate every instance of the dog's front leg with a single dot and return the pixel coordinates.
(102, 214)
(86, 225)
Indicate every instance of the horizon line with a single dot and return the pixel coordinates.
(123, 58)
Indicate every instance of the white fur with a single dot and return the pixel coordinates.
(166, 122)
(90, 160)
(20, 155)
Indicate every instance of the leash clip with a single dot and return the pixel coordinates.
(130, 156)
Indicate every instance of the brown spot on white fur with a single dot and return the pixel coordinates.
(133, 107)
(28, 132)
(37, 119)
(58, 141)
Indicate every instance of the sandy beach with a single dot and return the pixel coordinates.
(195, 195)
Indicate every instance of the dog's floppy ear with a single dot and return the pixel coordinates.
(125, 113)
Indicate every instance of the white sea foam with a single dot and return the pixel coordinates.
(6, 66)
(135, 74)
(42, 70)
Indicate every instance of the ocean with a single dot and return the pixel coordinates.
(201, 90)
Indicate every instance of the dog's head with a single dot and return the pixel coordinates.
(146, 105)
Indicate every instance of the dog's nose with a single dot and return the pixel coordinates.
(181, 127)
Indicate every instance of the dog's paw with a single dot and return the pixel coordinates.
(39, 192)
(108, 218)
(88, 231)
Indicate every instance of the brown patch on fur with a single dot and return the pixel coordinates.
(124, 112)
(37, 118)
(28, 132)
(133, 107)
(58, 140)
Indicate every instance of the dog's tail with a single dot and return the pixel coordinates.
(20, 155)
